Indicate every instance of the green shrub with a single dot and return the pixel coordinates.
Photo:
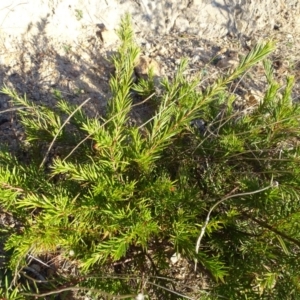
(107, 190)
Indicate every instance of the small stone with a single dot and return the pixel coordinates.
(195, 58)
(140, 296)
(199, 124)
(175, 258)
(145, 64)
(180, 276)
(177, 61)
(108, 37)
(148, 46)
(162, 51)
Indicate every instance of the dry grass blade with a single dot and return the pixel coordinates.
(202, 232)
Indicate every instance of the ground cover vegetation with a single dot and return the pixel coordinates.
(107, 192)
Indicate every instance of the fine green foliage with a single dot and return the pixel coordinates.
(109, 191)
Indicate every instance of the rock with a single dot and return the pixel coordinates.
(175, 258)
(144, 65)
(162, 51)
(108, 37)
(140, 296)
